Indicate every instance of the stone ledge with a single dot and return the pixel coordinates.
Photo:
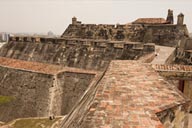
(39, 67)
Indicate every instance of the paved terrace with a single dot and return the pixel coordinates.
(174, 71)
(128, 96)
(39, 67)
(163, 53)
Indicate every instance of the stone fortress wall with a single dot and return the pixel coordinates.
(86, 46)
(86, 54)
(39, 94)
(149, 30)
(30, 91)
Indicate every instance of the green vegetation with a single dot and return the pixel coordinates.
(34, 123)
(6, 99)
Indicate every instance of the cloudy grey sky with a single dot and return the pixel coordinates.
(55, 15)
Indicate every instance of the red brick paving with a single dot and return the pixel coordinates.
(129, 95)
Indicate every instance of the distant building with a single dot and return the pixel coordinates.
(4, 37)
(50, 34)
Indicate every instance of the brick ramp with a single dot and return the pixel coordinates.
(163, 54)
(125, 96)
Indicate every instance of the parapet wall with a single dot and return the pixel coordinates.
(162, 34)
(174, 72)
(86, 54)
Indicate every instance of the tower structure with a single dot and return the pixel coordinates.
(170, 18)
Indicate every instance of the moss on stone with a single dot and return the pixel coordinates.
(5, 99)
(35, 123)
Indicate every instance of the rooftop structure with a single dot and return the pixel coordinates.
(150, 21)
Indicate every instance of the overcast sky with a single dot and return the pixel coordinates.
(41, 16)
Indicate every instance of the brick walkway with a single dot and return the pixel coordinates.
(128, 96)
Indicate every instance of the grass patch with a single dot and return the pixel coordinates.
(5, 99)
(35, 123)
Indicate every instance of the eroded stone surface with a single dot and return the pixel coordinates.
(76, 53)
(157, 32)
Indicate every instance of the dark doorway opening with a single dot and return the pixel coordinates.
(181, 85)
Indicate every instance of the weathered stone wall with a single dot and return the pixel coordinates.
(37, 94)
(183, 53)
(184, 57)
(188, 90)
(30, 91)
(167, 35)
(106, 32)
(74, 53)
(174, 72)
(171, 58)
(80, 110)
(162, 34)
(176, 117)
(73, 86)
